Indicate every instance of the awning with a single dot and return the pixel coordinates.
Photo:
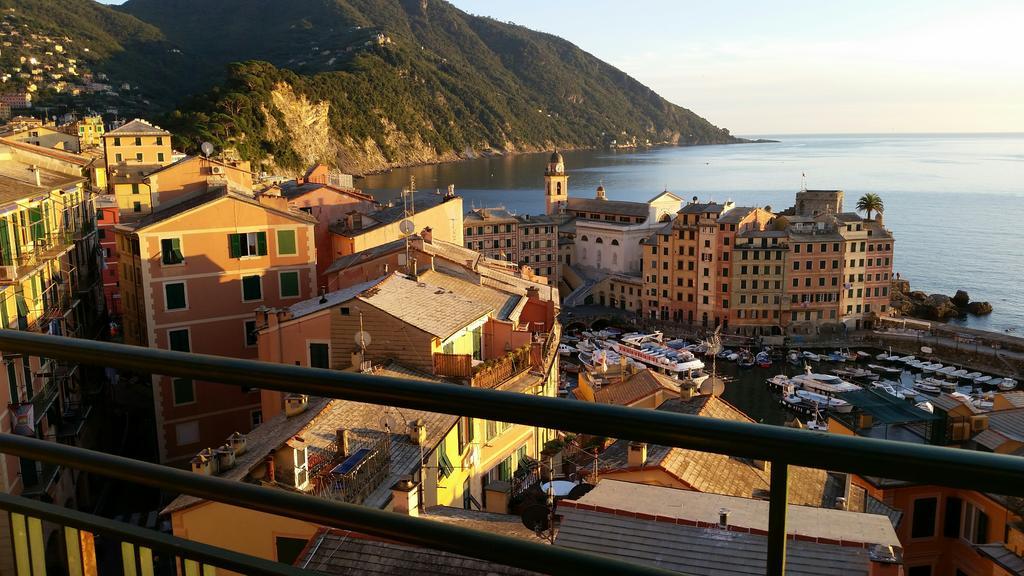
(886, 408)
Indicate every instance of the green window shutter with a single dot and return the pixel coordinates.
(444, 465)
(178, 340)
(289, 284)
(170, 251)
(319, 355)
(4, 319)
(251, 289)
(286, 242)
(35, 218)
(183, 391)
(175, 294)
(261, 243)
(235, 245)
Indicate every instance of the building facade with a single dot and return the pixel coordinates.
(191, 276)
(132, 151)
(524, 239)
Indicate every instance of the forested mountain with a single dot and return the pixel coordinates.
(368, 84)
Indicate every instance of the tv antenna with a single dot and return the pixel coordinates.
(408, 226)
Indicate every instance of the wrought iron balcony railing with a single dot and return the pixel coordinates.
(783, 447)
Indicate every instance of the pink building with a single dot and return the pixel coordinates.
(192, 276)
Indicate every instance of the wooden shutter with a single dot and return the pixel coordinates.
(261, 243)
(235, 245)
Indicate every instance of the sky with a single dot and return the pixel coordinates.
(791, 67)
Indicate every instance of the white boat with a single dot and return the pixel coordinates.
(585, 346)
(972, 376)
(932, 367)
(947, 371)
(1007, 384)
(779, 381)
(885, 369)
(834, 404)
(940, 384)
(905, 359)
(681, 364)
(882, 357)
(916, 364)
(862, 355)
(826, 384)
(565, 350)
(961, 373)
(984, 378)
(927, 388)
(732, 357)
(812, 356)
(926, 406)
(888, 388)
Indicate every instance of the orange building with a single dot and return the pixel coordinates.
(191, 276)
(108, 215)
(132, 151)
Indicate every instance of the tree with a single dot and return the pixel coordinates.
(869, 203)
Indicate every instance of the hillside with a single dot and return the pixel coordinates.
(364, 84)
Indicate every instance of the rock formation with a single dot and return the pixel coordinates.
(933, 306)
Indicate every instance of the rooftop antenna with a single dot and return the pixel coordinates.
(408, 226)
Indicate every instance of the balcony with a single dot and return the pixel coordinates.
(47, 394)
(783, 447)
(43, 249)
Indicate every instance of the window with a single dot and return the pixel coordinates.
(138, 141)
(170, 251)
(252, 288)
(975, 524)
(465, 433)
(117, 141)
(174, 296)
(247, 244)
(187, 433)
(178, 340)
(923, 520)
(288, 549)
(159, 140)
(101, 234)
(184, 391)
(256, 417)
(925, 570)
(951, 523)
(289, 284)
(138, 157)
(319, 355)
(136, 206)
(135, 188)
(249, 326)
(159, 156)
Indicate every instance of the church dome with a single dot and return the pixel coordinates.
(556, 158)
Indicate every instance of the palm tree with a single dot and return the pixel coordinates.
(869, 203)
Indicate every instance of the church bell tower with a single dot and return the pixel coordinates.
(556, 185)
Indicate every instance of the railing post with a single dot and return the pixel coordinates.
(777, 508)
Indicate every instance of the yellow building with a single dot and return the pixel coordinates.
(358, 231)
(133, 151)
(48, 284)
(89, 130)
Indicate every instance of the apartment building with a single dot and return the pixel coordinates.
(191, 275)
(132, 151)
(524, 239)
(360, 231)
(89, 130)
(48, 284)
(108, 215)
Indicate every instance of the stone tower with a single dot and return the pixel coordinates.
(556, 185)
(816, 202)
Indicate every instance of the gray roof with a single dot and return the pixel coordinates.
(202, 198)
(433, 309)
(1009, 423)
(735, 215)
(391, 214)
(698, 551)
(317, 303)
(343, 553)
(489, 215)
(365, 255)
(137, 127)
(700, 208)
(292, 189)
(619, 207)
(17, 182)
(1002, 556)
(502, 303)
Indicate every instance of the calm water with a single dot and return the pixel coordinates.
(954, 202)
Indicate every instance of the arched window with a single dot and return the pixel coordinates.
(584, 238)
(615, 242)
(558, 188)
(599, 240)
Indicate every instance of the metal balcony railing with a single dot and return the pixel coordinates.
(783, 447)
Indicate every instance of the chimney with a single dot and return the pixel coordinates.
(417, 432)
(225, 457)
(428, 235)
(202, 465)
(35, 171)
(533, 293)
(295, 404)
(688, 389)
(405, 497)
(637, 455)
(723, 518)
(840, 503)
(357, 359)
(271, 470)
(341, 436)
(414, 271)
(237, 443)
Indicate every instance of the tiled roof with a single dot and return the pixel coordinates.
(1009, 423)
(735, 215)
(637, 387)
(1002, 556)
(502, 303)
(1014, 398)
(18, 182)
(618, 207)
(291, 189)
(390, 215)
(489, 215)
(369, 254)
(717, 473)
(698, 551)
(948, 403)
(164, 212)
(808, 521)
(70, 157)
(317, 303)
(700, 208)
(137, 127)
(432, 309)
(132, 173)
(343, 553)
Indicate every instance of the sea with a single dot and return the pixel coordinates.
(954, 202)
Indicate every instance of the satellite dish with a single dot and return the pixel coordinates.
(579, 491)
(363, 338)
(207, 149)
(407, 227)
(536, 517)
(712, 387)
